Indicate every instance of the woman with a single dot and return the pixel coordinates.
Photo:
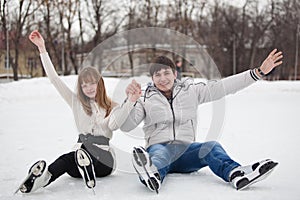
(96, 116)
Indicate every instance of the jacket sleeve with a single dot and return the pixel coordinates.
(61, 87)
(217, 89)
(135, 117)
(119, 114)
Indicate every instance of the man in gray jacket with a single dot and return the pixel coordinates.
(169, 111)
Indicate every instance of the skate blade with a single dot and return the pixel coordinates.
(89, 180)
(93, 191)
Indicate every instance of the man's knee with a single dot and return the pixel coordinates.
(208, 147)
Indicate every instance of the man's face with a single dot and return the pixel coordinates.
(164, 79)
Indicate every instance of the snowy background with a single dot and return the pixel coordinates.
(261, 121)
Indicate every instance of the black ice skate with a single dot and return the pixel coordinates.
(38, 176)
(147, 172)
(244, 176)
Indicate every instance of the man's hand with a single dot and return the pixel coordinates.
(272, 61)
(134, 91)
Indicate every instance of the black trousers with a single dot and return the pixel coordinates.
(103, 164)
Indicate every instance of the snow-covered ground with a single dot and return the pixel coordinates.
(260, 121)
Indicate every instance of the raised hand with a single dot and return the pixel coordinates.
(272, 61)
(134, 91)
(36, 38)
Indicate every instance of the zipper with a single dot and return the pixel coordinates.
(193, 130)
(171, 105)
(170, 101)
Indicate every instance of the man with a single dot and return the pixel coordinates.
(169, 111)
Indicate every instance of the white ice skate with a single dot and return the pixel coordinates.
(85, 167)
(244, 176)
(147, 172)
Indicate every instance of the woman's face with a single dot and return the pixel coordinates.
(89, 89)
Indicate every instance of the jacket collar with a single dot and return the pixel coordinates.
(152, 89)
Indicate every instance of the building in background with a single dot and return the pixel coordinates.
(29, 62)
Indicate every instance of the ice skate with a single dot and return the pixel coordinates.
(85, 167)
(244, 176)
(38, 176)
(147, 172)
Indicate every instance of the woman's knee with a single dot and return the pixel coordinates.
(102, 169)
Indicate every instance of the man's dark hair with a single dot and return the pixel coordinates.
(161, 62)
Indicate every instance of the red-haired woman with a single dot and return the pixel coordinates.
(96, 116)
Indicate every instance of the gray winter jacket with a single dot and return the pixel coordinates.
(176, 119)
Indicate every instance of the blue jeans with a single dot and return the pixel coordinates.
(185, 158)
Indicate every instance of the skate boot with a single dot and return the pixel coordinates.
(147, 172)
(38, 176)
(85, 167)
(243, 176)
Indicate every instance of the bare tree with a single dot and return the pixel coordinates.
(214, 38)
(49, 24)
(81, 32)
(244, 31)
(261, 21)
(60, 34)
(200, 23)
(180, 18)
(140, 14)
(4, 26)
(24, 10)
(151, 9)
(100, 16)
(104, 21)
(283, 34)
(131, 12)
(72, 49)
(235, 37)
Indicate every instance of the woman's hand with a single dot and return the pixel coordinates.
(36, 38)
(134, 91)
